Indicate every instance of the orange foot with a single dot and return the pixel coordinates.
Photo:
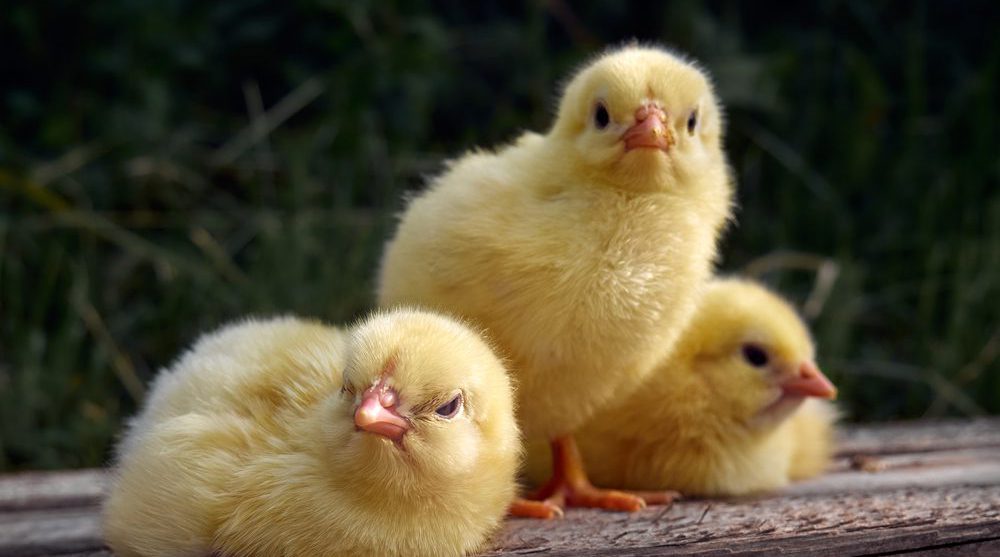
(526, 508)
(569, 487)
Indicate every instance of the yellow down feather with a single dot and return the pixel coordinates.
(247, 445)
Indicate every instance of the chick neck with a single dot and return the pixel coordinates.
(607, 169)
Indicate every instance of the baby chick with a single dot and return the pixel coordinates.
(581, 250)
(286, 437)
(735, 409)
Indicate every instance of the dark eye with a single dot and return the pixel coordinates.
(755, 355)
(601, 116)
(692, 121)
(451, 408)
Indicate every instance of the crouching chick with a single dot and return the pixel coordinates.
(737, 408)
(286, 437)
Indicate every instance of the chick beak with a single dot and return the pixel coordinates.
(649, 130)
(376, 413)
(809, 381)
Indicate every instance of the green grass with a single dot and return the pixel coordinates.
(168, 166)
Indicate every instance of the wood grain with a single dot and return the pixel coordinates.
(51, 489)
(920, 488)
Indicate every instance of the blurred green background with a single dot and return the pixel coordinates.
(167, 166)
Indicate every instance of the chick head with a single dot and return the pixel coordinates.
(754, 353)
(424, 401)
(641, 118)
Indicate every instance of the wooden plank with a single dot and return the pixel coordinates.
(51, 489)
(961, 549)
(923, 489)
(841, 524)
(910, 437)
(792, 526)
(971, 467)
(57, 531)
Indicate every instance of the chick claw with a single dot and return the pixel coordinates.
(665, 497)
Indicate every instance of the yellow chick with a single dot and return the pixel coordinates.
(287, 437)
(735, 409)
(581, 250)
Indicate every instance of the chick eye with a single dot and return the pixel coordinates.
(692, 122)
(755, 355)
(451, 408)
(601, 116)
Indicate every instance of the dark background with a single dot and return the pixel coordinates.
(167, 166)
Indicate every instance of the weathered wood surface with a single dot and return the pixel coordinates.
(897, 489)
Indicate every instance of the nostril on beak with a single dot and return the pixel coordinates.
(388, 398)
(649, 109)
(650, 129)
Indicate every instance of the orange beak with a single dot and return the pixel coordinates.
(376, 413)
(649, 130)
(810, 381)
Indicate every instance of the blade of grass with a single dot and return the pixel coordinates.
(969, 372)
(120, 362)
(287, 107)
(894, 370)
(218, 256)
(68, 163)
(826, 271)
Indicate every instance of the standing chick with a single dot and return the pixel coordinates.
(582, 251)
(733, 410)
(286, 437)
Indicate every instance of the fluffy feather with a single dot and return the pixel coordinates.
(580, 255)
(707, 421)
(248, 445)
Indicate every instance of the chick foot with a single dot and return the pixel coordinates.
(570, 487)
(526, 508)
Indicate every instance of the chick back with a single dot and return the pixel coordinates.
(233, 395)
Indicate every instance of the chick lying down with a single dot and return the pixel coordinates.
(738, 407)
(289, 437)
